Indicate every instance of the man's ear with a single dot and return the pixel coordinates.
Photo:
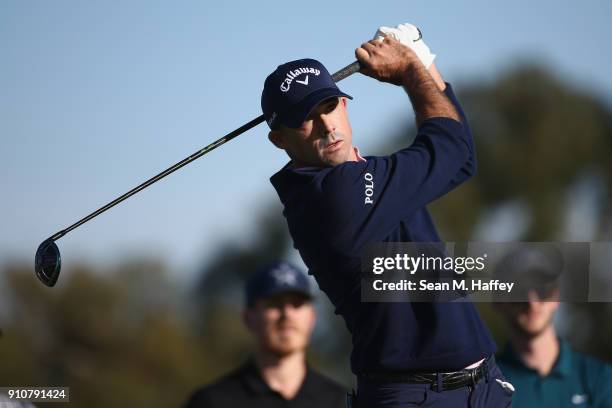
(276, 137)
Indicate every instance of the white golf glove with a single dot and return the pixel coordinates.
(410, 36)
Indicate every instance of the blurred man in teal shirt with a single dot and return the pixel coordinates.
(544, 370)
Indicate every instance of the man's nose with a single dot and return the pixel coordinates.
(287, 309)
(533, 298)
(326, 124)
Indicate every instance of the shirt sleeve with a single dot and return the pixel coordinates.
(470, 166)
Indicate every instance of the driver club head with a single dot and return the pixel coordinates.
(48, 262)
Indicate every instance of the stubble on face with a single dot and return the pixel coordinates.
(283, 333)
(531, 319)
(531, 326)
(335, 149)
(324, 139)
(286, 338)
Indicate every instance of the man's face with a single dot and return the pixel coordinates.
(324, 139)
(281, 324)
(533, 317)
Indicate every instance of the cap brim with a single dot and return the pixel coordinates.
(278, 291)
(300, 112)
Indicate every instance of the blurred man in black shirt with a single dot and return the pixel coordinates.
(280, 316)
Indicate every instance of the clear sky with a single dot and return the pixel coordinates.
(96, 97)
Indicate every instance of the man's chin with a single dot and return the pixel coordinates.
(284, 350)
(285, 345)
(335, 158)
(531, 330)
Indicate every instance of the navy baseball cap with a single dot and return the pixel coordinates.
(279, 277)
(294, 89)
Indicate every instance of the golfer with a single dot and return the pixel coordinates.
(336, 201)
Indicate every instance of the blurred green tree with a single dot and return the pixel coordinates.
(105, 334)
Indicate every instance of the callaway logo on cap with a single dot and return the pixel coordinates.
(294, 89)
(291, 75)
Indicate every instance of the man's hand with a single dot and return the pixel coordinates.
(391, 61)
(387, 60)
(410, 36)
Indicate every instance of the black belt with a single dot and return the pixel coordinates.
(450, 380)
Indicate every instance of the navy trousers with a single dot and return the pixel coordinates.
(492, 391)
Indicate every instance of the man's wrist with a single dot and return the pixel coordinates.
(426, 97)
(413, 74)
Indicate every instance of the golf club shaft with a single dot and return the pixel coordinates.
(338, 76)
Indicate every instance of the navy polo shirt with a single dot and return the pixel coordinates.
(331, 220)
(576, 380)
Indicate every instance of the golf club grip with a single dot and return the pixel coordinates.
(337, 77)
(346, 71)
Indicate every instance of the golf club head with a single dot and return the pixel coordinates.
(48, 262)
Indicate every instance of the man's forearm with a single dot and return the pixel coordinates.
(428, 100)
(437, 77)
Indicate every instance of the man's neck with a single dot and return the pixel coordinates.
(539, 353)
(285, 374)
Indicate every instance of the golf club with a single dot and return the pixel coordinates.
(48, 263)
